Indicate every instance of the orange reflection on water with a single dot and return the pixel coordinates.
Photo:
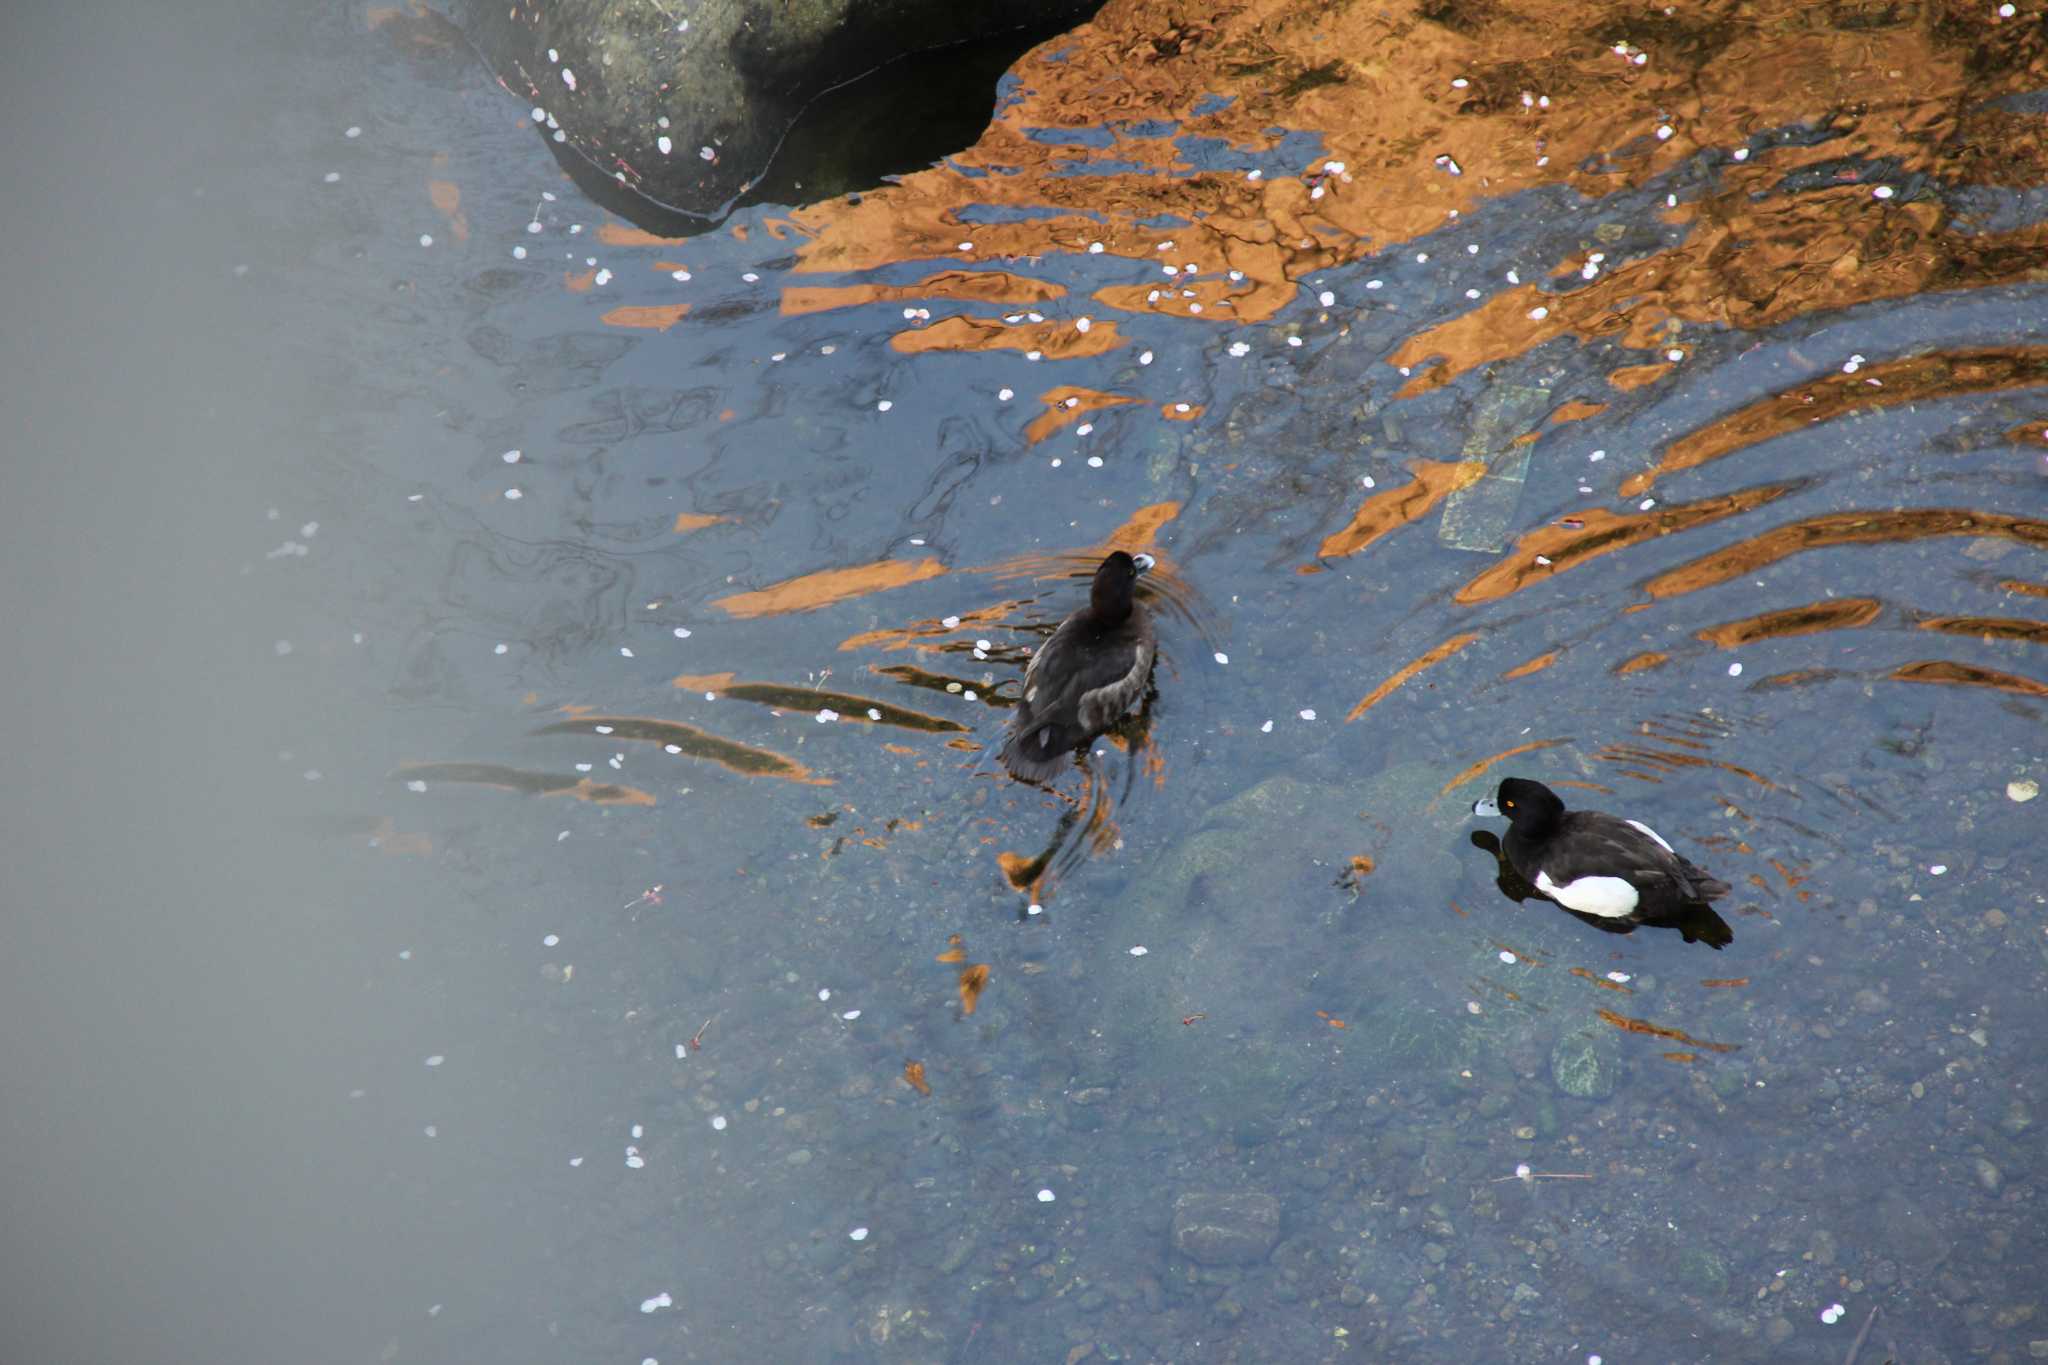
(981, 286)
(916, 636)
(1436, 109)
(810, 591)
(1602, 982)
(1207, 300)
(847, 708)
(621, 234)
(912, 676)
(1388, 511)
(1599, 787)
(1508, 324)
(1535, 665)
(1138, 532)
(1428, 659)
(1841, 528)
(972, 979)
(1939, 375)
(1671, 759)
(1641, 663)
(1967, 675)
(1596, 531)
(1989, 628)
(2023, 588)
(1795, 677)
(1467, 774)
(1628, 1025)
(658, 317)
(1576, 411)
(1837, 614)
(526, 782)
(743, 759)
(1636, 376)
(1025, 874)
(1053, 340)
(693, 682)
(695, 521)
(447, 197)
(388, 839)
(1141, 528)
(1751, 259)
(1067, 404)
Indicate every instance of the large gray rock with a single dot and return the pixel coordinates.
(1226, 1229)
(726, 77)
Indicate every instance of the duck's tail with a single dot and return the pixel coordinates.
(1038, 752)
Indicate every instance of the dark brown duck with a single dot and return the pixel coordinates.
(1085, 676)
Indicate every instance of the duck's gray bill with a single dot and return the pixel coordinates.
(1485, 806)
(1143, 562)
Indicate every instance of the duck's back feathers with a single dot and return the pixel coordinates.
(1078, 684)
(1600, 864)
(1608, 871)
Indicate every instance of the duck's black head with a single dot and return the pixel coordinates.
(1532, 808)
(1116, 581)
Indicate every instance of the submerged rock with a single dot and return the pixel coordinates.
(1702, 1272)
(1583, 1063)
(1225, 1229)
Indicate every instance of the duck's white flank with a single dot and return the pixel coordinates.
(1607, 897)
(1654, 835)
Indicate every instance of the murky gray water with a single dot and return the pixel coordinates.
(449, 926)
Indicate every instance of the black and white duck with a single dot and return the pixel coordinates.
(1612, 872)
(1086, 675)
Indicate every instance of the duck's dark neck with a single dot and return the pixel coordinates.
(1109, 606)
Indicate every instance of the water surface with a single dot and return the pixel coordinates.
(624, 623)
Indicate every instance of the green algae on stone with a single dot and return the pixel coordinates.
(1702, 1272)
(1584, 1062)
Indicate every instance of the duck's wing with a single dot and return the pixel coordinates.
(1044, 728)
(1093, 679)
(1059, 639)
(1605, 845)
(1033, 701)
(1072, 692)
(1108, 691)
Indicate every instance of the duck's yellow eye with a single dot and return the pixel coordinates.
(1508, 804)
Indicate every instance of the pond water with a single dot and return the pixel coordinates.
(553, 928)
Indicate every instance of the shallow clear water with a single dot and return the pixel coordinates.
(473, 1019)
